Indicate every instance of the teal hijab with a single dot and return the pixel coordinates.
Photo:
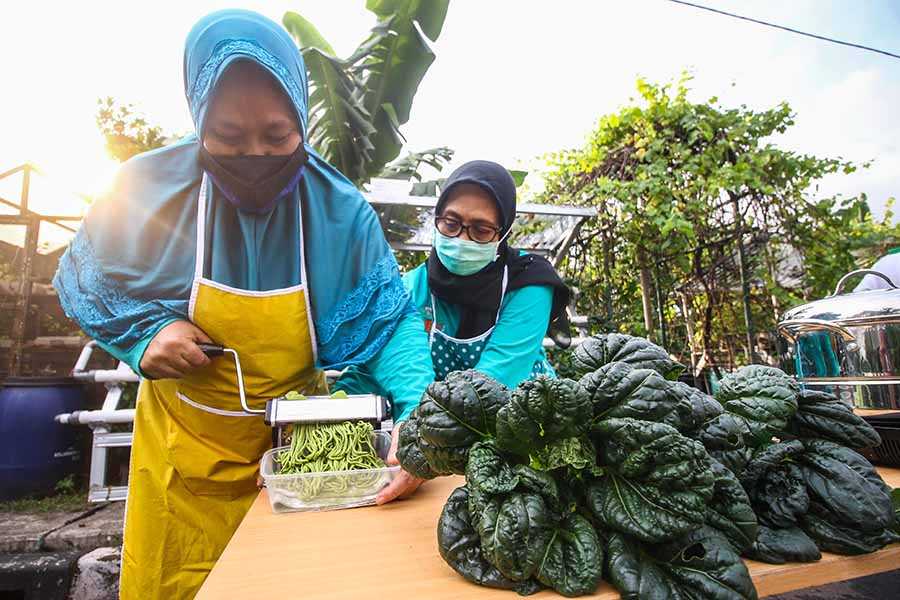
(129, 270)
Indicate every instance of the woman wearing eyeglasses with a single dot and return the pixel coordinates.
(486, 306)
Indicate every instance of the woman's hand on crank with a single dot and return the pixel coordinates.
(173, 352)
(404, 485)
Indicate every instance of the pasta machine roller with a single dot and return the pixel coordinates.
(282, 412)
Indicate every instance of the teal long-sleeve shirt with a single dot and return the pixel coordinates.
(514, 351)
(399, 369)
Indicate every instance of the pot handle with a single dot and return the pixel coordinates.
(792, 327)
(840, 284)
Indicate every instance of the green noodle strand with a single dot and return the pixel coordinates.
(330, 449)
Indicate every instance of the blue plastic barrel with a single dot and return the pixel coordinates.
(36, 451)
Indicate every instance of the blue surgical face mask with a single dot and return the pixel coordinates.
(464, 257)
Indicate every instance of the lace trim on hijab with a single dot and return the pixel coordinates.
(228, 49)
(98, 304)
(377, 302)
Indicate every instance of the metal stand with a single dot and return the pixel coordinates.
(101, 421)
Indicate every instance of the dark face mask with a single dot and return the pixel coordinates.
(255, 183)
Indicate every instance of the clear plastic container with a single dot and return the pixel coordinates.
(329, 490)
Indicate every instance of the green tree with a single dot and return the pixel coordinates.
(401, 222)
(686, 194)
(126, 131)
(407, 168)
(357, 104)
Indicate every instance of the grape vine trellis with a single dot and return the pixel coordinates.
(688, 191)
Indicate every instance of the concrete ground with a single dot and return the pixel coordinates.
(97, 575)
(66, 555)
(85, 530)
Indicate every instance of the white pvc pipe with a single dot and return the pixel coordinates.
(115, 376)
(96, 417)
(83, 358)
(121, 374)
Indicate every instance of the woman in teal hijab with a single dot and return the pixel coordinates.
(487, 306)
(240, 234)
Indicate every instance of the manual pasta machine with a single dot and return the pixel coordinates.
(284, 411)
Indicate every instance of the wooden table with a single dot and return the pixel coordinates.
(875, 412)
(393, 548)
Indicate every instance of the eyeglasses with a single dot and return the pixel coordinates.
(478, 232)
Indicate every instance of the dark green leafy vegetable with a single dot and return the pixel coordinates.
(575, 452)
(409, 453)
(730, 512)
(726, 438)
(656, 482)
(769, 458)
(456, 413)
(895, 500)
(765, 397)
(573, 562)
(515, 512)
(618, 390)
(489, 471)
(847, 485)
(776, 486)
(492, 481)
(444, 461)
(822, 415)
(515, 529)
(780, 496)
(460, 547)
(528, 481)
(653, 478)
(600, 350)
(539, 482)
(540, 411)
(845, 539)
(704, 407)
(778, 546)
(701, 565)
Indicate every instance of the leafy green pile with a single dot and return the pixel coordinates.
(796, 459)
(629, 476)
(601, 350)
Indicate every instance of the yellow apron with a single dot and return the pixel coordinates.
(195, 457)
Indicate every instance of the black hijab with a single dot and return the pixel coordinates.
(478, 295)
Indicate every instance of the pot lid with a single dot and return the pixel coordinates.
(869, 305)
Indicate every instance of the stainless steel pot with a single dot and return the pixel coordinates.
(848, 344)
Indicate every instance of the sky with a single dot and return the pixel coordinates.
(513, 79)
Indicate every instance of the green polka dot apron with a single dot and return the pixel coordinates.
(455, 354)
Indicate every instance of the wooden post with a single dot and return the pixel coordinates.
(745, 284)
(26, 186)
(646, 283)
(660, 309)
(646, 303)
(773, 275)
(23, 305)
(607, 277)
(689, 325)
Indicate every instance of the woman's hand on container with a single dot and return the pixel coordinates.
(173, 352)
(404, 485)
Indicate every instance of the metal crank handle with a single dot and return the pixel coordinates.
(214, 350)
